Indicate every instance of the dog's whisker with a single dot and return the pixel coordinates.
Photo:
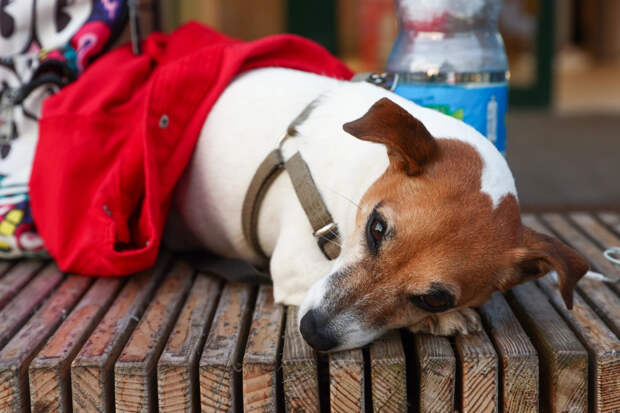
(333, 232)
(345, 197)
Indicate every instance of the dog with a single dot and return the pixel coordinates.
(426, 208)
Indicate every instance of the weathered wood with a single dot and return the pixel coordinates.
(177, 375)
(601, 342)
(135, 385)
(92, 371)
(612, 219)
(577, 240)
(388, 374)
(50, 388)
(600, 297)
(17, 311)
(346, 381)
(558, 335)
(603, 300)
(220, 363)
(300, 370)
(260, 362)
(564, 381)
(17, 354)
(16, 278)
(599, 232)
(479, 373)
(519, 361)
(605, 238)
(5, 265)
(437, 370)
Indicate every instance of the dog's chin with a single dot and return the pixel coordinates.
(354, 340)
(351, 345)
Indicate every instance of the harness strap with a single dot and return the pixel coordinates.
(264, 176)
(323, 226)
(324, 229)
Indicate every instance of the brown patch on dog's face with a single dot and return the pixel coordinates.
(442, 237)
(442, 243)
(442, 234)
(427, 244)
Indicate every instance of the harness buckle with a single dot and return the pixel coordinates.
(327, 240)
(321, 232)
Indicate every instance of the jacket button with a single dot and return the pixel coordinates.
(164, 121)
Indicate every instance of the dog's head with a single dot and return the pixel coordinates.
(427, 240)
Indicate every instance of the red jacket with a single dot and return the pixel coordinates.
(113, 144)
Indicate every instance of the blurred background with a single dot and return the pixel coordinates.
(564, 56)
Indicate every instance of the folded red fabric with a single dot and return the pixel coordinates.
(113, 144)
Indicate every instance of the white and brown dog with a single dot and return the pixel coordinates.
(429, 227)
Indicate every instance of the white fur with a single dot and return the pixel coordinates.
(245, 125)
(314, 296)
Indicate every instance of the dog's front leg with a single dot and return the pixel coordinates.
(463, 321)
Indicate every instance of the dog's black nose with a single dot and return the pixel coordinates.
(313, 328)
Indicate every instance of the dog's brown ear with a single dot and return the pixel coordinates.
(541, 254)
(408, 142)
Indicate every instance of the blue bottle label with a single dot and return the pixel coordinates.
(482, 106)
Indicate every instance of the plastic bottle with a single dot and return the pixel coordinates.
(450, 56)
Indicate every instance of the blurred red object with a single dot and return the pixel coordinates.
(113, 144)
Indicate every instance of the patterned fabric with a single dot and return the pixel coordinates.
(44, 45)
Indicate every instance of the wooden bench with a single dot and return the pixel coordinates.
(170, 339)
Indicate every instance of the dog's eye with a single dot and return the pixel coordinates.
(434, 302)
(375, 231)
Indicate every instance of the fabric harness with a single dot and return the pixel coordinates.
(324, 229)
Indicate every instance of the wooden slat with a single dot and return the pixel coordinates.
(479, 373)
(519, 361)
(564, 359)
(601, 342)
(5, 265)
(602, 299)
(437, 370)
(577, 240)
(134, 372)
(388, 374)
(599, 232)
(50, 388)
(612, 219)
(605, 239)
(260, 362)
(300, 370)
(92, 371)
(16, 278)
(346, 381)
(220, 363)
(17, 354)
(177, 379)
(17, 311)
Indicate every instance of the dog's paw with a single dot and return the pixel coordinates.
(464, 321)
